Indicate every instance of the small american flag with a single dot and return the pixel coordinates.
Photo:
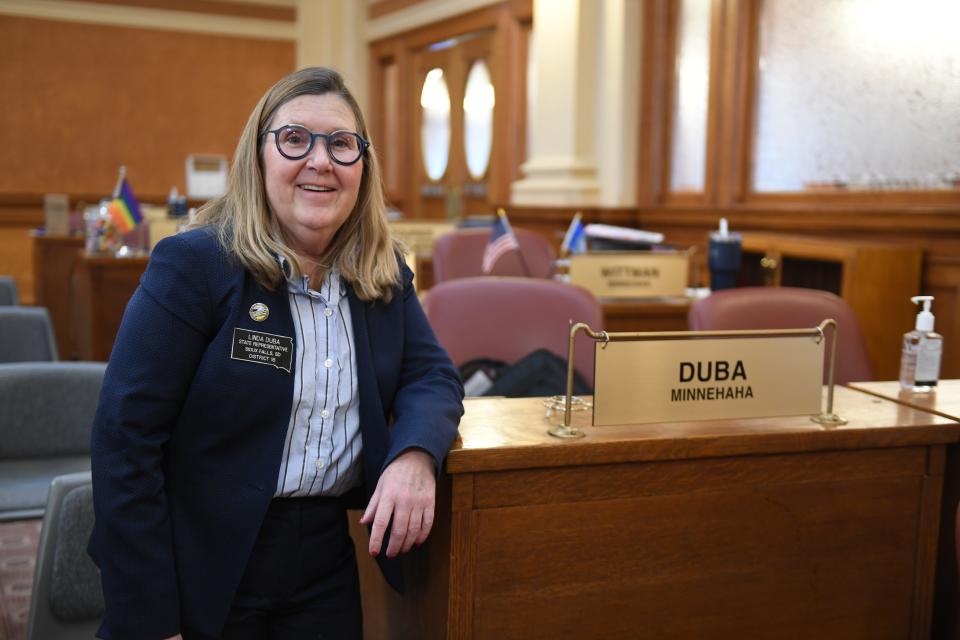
(502, 241)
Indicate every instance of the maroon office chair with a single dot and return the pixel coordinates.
(507, 318)
(788, 308)
(460, 255)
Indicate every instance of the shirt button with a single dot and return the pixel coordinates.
(325, 413)
(328, 312)
(328, 363)
(319, 464)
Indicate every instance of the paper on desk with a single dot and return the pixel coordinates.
(622, 234)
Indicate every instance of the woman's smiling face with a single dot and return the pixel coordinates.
(313, 196)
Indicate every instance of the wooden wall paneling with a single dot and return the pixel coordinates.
(724, 104)
(16, 246)
(17, 251)
(736, 103)
(941, 278)
(670, 45)
(715, 151)
(859, 200)
(508, 57)
(422, 37)
(925, 227)
(55, 259)
(521, 131)
(379, 8)
(876, 295)
(748, 30)
(380, 132)
(212, 7)
(385, 124)
(393, 121)
(84, 99)
(654, 99)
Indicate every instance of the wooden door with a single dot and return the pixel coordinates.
(444, 183)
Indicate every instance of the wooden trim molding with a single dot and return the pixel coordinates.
(380, 8)
(282, 11)
(655, 98)
(27, 208)
(414, 15)
(201, 17)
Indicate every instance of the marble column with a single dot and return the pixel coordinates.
(583, 104)
(332, 33)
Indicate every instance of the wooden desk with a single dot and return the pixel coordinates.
(102, 286)
(719, 529)
(54, 262)
(655, 314)
(945, 402)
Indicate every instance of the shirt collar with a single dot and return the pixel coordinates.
(331, 289)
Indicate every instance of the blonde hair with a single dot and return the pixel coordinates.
(362, 248)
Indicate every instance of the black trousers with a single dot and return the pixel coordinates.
(301, 580)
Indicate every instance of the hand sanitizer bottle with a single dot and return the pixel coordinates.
(922, 348)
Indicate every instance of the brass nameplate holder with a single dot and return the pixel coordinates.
(631, 274)
(694, 375)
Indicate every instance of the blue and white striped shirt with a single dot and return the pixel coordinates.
(321, 455)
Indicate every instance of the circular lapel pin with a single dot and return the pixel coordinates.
(259, 312)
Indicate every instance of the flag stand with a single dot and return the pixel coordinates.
(502, 214)
(120, 178)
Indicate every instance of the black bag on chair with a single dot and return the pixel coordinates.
(539, 373)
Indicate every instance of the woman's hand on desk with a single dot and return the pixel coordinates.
(407, 492)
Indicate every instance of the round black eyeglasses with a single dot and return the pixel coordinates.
(295, 142)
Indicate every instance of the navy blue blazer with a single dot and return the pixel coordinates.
(187, 441)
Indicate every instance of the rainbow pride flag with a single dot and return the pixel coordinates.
(125, 209)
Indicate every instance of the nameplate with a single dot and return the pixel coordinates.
(702, 379)
(631, 274)
(262, 348)
(420, 236)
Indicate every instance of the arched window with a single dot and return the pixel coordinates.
(435, 127)
(478, 103)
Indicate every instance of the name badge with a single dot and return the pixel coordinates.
(262, 348)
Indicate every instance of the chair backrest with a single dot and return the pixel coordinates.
(48, 408)
(507, 318)
(67, 599)
(460, 255)
(788, 308)
(8, 291)
(26, 335)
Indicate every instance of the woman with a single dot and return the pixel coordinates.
(273, 365)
